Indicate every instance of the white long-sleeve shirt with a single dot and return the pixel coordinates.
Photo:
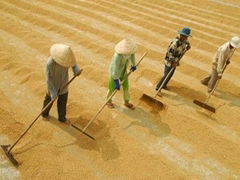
(222, 55)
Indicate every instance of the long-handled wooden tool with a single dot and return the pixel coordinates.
(109, 98)
(153, 99)
(204, 104)
(8, 148)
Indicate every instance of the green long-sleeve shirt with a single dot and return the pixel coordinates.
(119, 64)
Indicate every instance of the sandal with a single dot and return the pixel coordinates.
(129, 105)
(166, 88)
(66, 121)
(110, 105)
(45, 117)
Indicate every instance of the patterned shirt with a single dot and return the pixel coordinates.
(175, 51)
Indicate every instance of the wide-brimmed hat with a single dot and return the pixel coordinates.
(235, 42)
(186, 31)
(63, 55)
(126, 46)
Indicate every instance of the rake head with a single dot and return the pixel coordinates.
(152, 101)
(204, 105)
(88, 135)
(9, 155)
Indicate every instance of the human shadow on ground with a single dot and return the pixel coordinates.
(147, 120)
(185, 95)
(207, 114)
(232, 98)
(81, 139)
(104, 143)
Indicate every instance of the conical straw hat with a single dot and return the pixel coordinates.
(63, 55)
(235, 42)
(126, 46)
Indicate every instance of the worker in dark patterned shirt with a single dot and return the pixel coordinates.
(175, 51)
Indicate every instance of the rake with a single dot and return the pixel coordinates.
(204, 104)
(8, 148)
(153, 99)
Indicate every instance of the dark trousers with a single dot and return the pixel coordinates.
(61, 106)
(166, 71)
